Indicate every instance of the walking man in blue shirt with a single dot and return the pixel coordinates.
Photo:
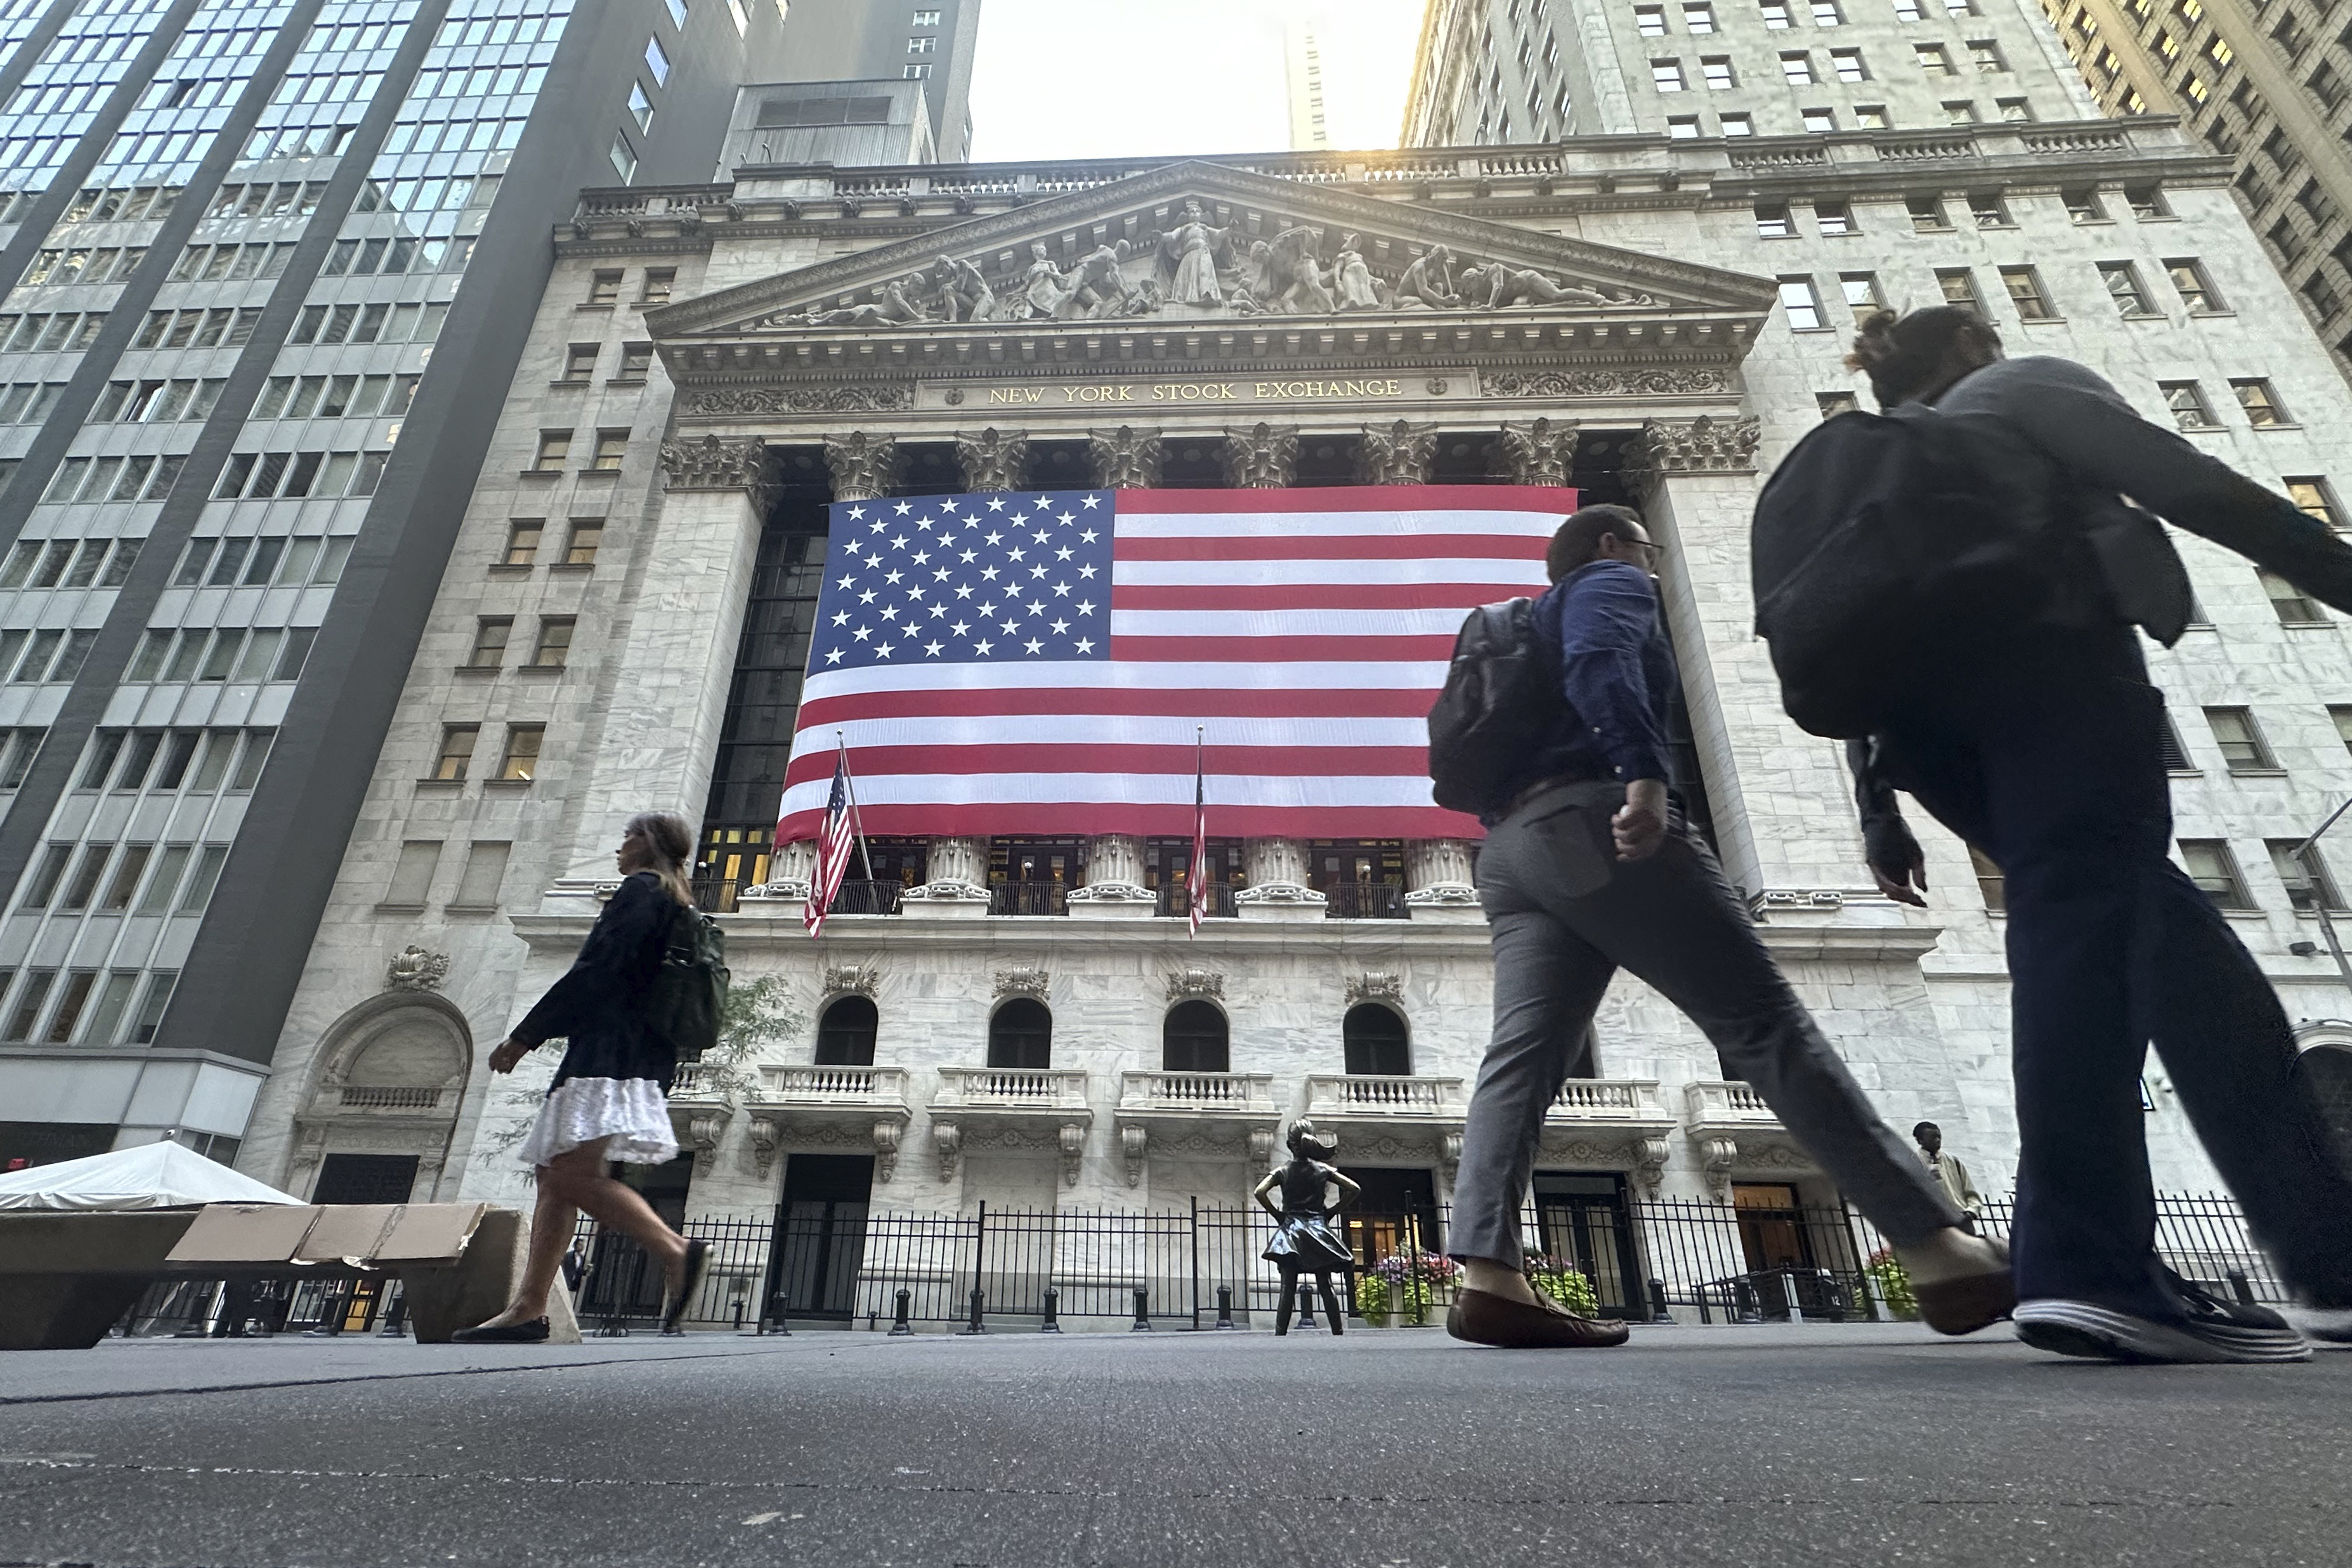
(1591, 869)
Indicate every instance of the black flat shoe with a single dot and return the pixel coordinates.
(533, 1332)
(697, 1264)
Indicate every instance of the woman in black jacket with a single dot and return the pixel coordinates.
(609, 1098)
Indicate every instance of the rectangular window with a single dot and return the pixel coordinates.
(412, 875)
(457, 751)
(2290, 604)
(1681, 127)
(657, 62)
(2024, 285)
(83, 886)
(1717, 72)
(604, 287)
(2196, 290)
(1926, 215)
(522, 541)
(1819, 122)
(2260, 402)
(580, 545)
(659, 281)
(2083, 204)
(1959, 111)
(1650, 21)
(636, 359)
(580, 361)
(2186, 401)
(2215, 871)
(106, 1018)
(1739, 125)
(1776, 14)
(554, 643)
(1772, 221)
(169, 866)
(641, 107)
(1990, 885)
(1802, 306)
(1833, 217)
(2343, 719)
(1698, 17)
(29, 998)
(625, 159)
(555, 447)
(1862, 294)
(2146, 201)
(1985, 55)
(486, 870)
(152, 1006)
(2242, 750)
(1827, 15)
(1847, 63)
(2316, 497)
(490, 633)
(1666, 76)
(2015, 111)
(521, 759)
(916, 73)
(1833, 403)
(1934, 58)
(2124, 287)
(612, 446)
(1988, 210)
(1797, 68)
(2308, 885)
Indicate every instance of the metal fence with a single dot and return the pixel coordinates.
(1197, 1267)
(216, 1309)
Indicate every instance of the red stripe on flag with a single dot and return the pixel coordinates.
(1012, 757)
(1173, 820)
(1312, 596)
(1330, 547)
(1279, 650)
(1353, 497)
(1121, 701)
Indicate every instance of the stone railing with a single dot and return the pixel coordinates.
(1712, 1102)
(1251, 1093)
(1013, 1089)
(1602, 1099)
(1348, 1095)
(372, 1097)
(833, 1086)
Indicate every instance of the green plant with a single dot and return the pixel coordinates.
(1371, 1296)
(1894, 1282)
(755, 1017)
(1564, 1283)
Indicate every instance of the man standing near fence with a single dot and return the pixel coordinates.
(1588, 867)
(1951, 1174)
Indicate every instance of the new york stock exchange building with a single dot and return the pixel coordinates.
(1011, 1007)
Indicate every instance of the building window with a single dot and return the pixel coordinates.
(2308, 885)
(1926, 215)
(555, 447)
(1817, 121)
(624, 160)
(1698, 19)
(1772, 221)
(612, 446)
(2260, 402)
(636, 359)
(1988, 210)
(1959, 287)
(922, 46)
(1833, 403)
(2290, 604)
(1833, 217)
(2343, 719)
(1985, 55)
(926, 19)
(412, 875)
(915, 73)
(580, 361)
(2083, 204)
(2242, 750)
(2312, 493)
(1990, 885)
(1716, 69)
(1906, 10)
(2215, 871)
(1739, 125)
(2146, 201)
(2196, 290)
(1797, 68)
(2024, 285)
(521, 759)
(1802, 305)
(490, 633)
(1827, 15)
(1959, 111)
(2016, 110)
(457, 751)
(2186, 401)
(2124, 287)
(1776, 14)
(580, 548)
(485, 871)
(1847, 63)
(1667, 74)
(1020, 1036)
(1650, 21)
(1681, 127)
(641, 107)
(659, 281)
(605, 286)
(523, 542)
(657, 62)
(844, 1035)
(1934, 58)
(1870, 116)
(2168, 749)
(1861, 295)
(1194, 1037)
(554, 647)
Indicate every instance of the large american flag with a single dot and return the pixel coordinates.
(1035, 663)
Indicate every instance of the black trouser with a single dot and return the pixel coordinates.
(2044, 752)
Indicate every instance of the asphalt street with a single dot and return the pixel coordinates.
(1813, 1445)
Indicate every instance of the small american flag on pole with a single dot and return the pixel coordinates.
(832, 850)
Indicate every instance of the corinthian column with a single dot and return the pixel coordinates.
(993, 459)
(957, 867)
(1261, 457)
(1115, 877)
(1540, 452)
(1398, 454)
(1126, 459)
(864, 466)
(1276, 871)
(1437, 872)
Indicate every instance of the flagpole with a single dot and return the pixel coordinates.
(856, 822)
(1199, 889)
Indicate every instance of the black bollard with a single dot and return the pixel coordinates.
(1658, 1313)
(1052, 1323)
(2243, 1286)
(978, 1305)
(1225, 1308)
(1142, 1313)
(899, 1323)
(395, 1317)
(1743, 1296)
(738, 1314)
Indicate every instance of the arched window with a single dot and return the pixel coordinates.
(2326, 1067)
(1376, 1041)
(844, 1036)
(1020, 1035)
(1193, 1038)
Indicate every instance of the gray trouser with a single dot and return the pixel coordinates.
(1565, 915)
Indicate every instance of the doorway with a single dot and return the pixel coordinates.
(365, 1179)
(1396, 1213)
(820, 1243)
(1584, 1219)
(1771, 1226)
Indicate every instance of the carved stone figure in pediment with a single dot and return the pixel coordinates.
(1045, 290)
(1188, 254)
(1352, 278)
(1428, 281)
(963, 291)
(1098, 287)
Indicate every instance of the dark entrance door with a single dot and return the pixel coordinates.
(1397, 1212)
(1583, 1220)
(820, 1236)
(365, 1179)
(622, 1281)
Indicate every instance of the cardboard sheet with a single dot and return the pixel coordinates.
(246, 1233)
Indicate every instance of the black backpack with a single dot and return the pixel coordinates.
(689, 996)
(1878, 540)
(1501, 705)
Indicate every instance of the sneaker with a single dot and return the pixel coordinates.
(2209, 1330)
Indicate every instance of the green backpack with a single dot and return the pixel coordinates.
(690, 994)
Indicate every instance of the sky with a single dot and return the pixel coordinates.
(1148, 77)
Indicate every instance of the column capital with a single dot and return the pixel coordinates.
(1398, 454)
(721, 463)
(1702, 445)
(1261, 457)
(864, 466)
(1540, 451)
(1125, 458)
(993, 459)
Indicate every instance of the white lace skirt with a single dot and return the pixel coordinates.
(628, 1115)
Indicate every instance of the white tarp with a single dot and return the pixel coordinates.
(159, 1175)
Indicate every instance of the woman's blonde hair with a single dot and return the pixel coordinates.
(670, 840)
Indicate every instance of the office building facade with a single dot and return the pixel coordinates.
(860, 40)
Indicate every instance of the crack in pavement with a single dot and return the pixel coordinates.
(8, 1399)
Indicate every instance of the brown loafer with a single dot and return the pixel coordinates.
(1970, 1302)
(1489, 1319)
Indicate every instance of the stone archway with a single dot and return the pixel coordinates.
(2325, 1067)
(386, 1090)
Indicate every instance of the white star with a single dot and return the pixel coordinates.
(969, 557)
(932, 649)
(866, 597)
(1063, 553)
(996, 503)
(982, 647)
(1086, 645)
(1013, 628)
(1020, 517)
(874, 561)
(899, 542)
(1061, 629)
(1036, 570)
(833, 657)
(847, 581)
(1086, 571)
(857, 514)
(947, 506)
(961, 628)
(1036, 609)
(964, 590)
(1044, 538)
(995, 539)
(863, 632)
(924, 523)
(1045, 503)
(905, 507)
(989, 572)
(1088, 501)
(892, 577)
(939, 575)
(1068, 518)
(987, 610)
(910, 632)
(879, 525)
(889, 612)
(916, 591)
(842, 619)
(1061, 590)
(884, 651)
(1034, 646)
(922, 558)
(1016, 553)
(1088, 537)
(939, 612)
(1086, 606)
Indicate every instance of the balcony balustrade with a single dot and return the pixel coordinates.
(831, 1086)
(1198, 1093)
(867, 898)
(1364, 1097)
(1720, 1103)
(1175, 900)
(1363, 901)
(1608, 1102)
(1028, 898)
(1052, 1089)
